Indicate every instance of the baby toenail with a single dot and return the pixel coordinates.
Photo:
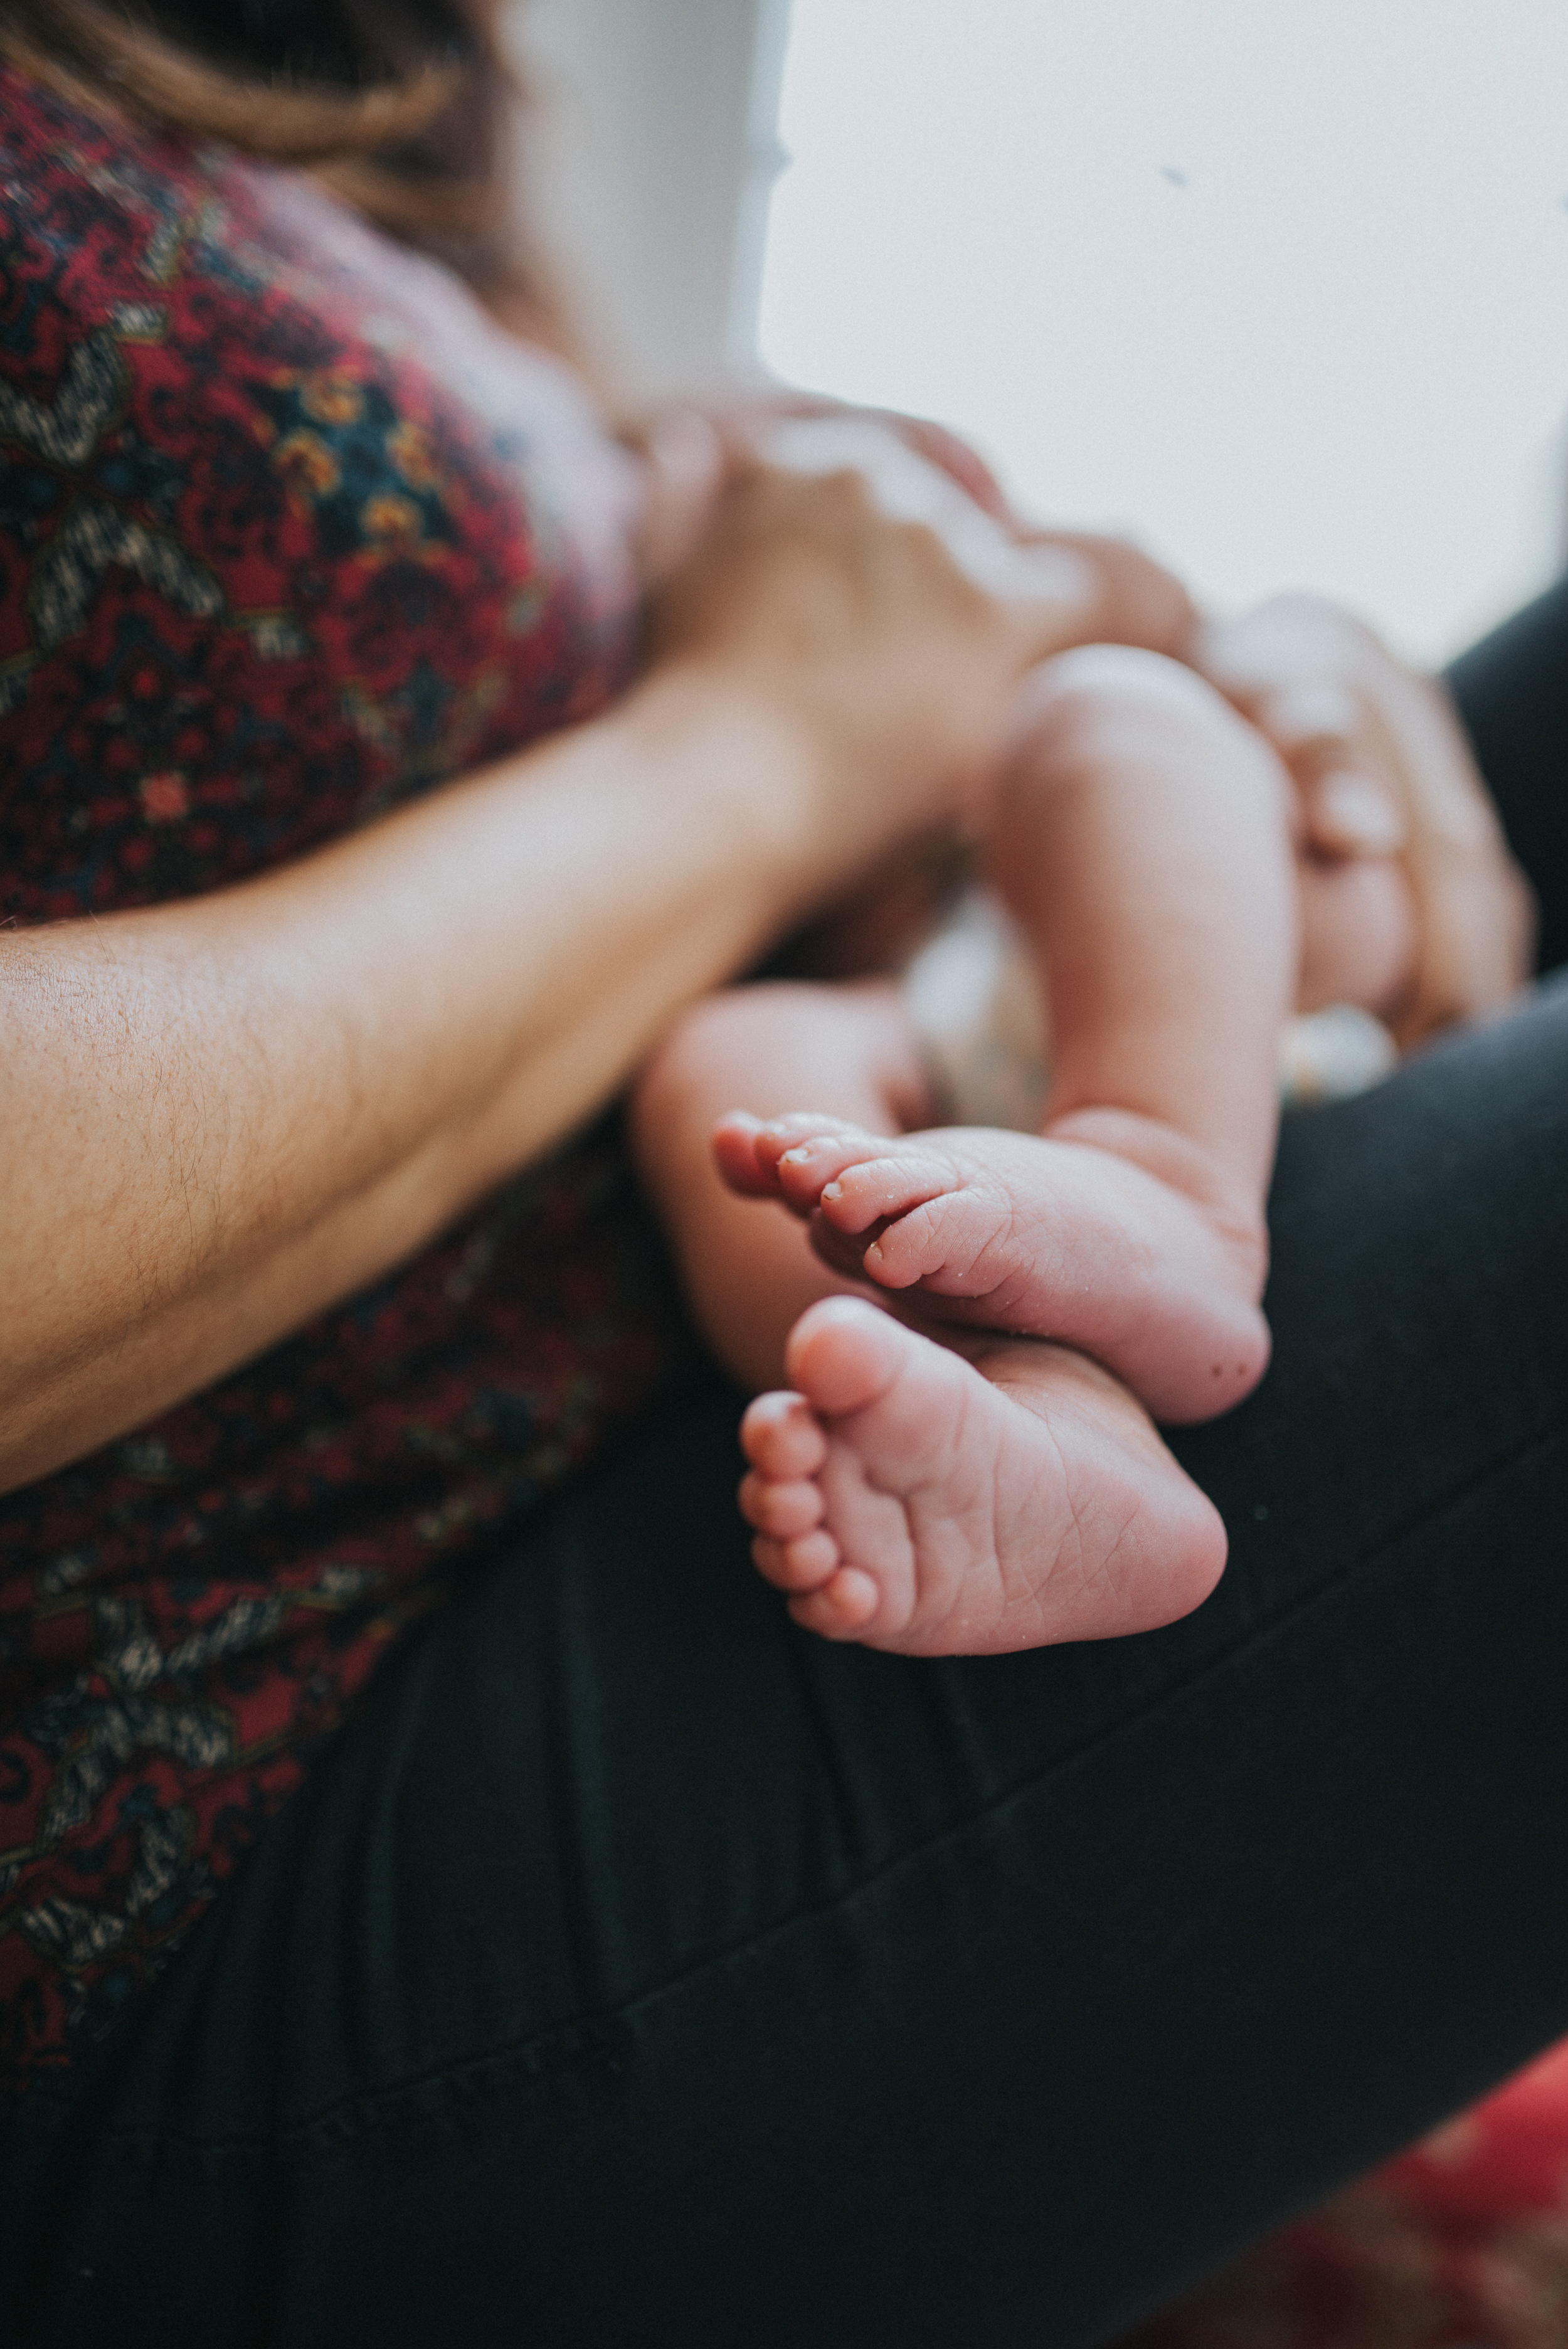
(832, 1190)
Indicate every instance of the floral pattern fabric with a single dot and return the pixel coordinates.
(289, 531)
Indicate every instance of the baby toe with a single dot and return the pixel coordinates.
(820, 1156)
(735, 1153)
(804, 1564)
(846, 1352)
(842, 1608)
(801, 1128)
(780, 1436)
(782, 1511)
(873, 1189)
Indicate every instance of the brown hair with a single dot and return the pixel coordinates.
(405, 109)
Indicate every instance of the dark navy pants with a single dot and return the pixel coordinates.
(636, 1968)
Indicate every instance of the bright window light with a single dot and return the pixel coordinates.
(1281, 284)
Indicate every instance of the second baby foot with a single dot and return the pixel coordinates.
(1054, 1238)
(913, 1500)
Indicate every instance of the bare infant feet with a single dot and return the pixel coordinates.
(908, 1499)
(1157, 1275)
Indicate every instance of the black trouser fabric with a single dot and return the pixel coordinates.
(1511, 690)
(638, 1968)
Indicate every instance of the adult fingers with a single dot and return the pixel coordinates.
(1067, 588)
(907, 485)
(753, 412)
(1293, 672)
(1139, 602)
(1318, 727)
(1378, 757)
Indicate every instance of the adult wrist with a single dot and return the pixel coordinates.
(761, 771)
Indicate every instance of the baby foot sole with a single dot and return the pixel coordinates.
(966, 1510)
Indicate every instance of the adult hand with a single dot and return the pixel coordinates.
(1124, 596)
(469, 979)
(1382, 769)
(873, 635)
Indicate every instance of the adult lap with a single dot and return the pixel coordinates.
(636, 1950)
(631, 1950)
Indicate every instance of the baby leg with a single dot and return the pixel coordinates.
(1142, 842)
(748, 1276)
(970, 1494)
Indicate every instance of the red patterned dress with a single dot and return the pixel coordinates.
(288, 532)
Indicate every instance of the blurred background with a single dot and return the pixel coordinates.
(1279, 285)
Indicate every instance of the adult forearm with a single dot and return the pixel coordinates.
(216, 1118)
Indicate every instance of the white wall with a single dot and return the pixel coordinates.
(1281, 283)
(656, 151)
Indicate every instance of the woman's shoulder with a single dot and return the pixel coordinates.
(289, 528)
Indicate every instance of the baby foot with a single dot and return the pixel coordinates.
(1055, 1237)
(909, 1498)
